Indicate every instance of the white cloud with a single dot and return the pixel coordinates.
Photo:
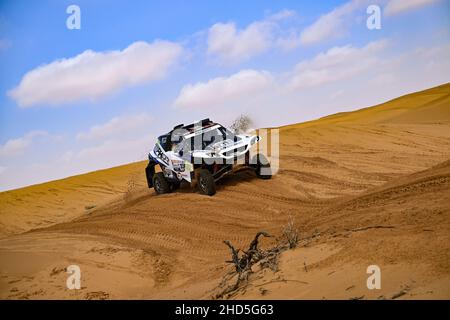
(18, 146)
(338, 63)
(435, 58)
(232, 45)
(336, 23)
(2, 169)
(106, 154)
(219, 91)
(91, 74)
(282, 15)
(384, 79)
(122, 139)
(398, 6)
(117, 126)
(113, 152)
(290, 41)
(332, 24)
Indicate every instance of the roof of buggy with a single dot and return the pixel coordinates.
(202, 124)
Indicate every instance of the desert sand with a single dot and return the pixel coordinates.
(369, 187)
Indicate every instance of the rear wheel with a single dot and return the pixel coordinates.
(160, 183)
(206, 184)
(262, 166)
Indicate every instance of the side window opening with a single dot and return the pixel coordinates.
(165, 142)
(185, 146)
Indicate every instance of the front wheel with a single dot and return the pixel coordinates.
(206, 184)
(175, 186)
(160, 183)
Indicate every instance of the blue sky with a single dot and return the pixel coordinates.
(72, 101)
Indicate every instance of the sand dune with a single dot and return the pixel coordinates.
(401, 226)
(371, 185)
(62, 200)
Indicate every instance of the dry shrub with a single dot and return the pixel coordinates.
(241, 124)
(291, 234)
(243, 261)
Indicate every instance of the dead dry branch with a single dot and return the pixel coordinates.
(291, 234)
(244, 260)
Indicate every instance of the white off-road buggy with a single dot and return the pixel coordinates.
(202, 153)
